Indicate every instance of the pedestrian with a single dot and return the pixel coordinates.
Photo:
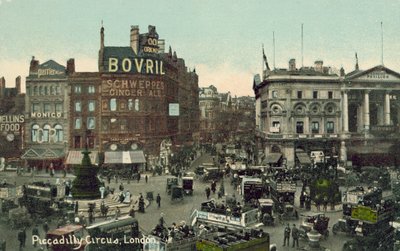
(22, 238)
(158, 199)
(208, 192)
(108, 179)
(35, 232)
(117, 213)
(76, 207)
(325, 203)
(214, 186)
(295, 235)
(146, 178)
(132, 212)
(121, 187)
(286, 235)
(138, 177)
(45, 227)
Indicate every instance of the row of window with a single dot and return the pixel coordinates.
(90, 89)
(47, 107)
(47, 133)
(91, 106)
(330, 126)
(90, 124)
(44, 90)
(300, 94)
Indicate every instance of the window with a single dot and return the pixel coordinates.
(276, 124)
(122, 105)
(123, 125)
(330, 95)
(58, 90)
(299, 94)
(315, 127)
(114, 124)
(59, 135)
(59, 107)
(91, 105)
(315, 94)
(77, 142)
(105, 124)
(78, 123)
(130, 104)
(104, 105)
(77, 89)
(330, 127)
(137, 105)
(41, 90)
(47, 108)
(300, 127)
(91, 89)
(35, 133)
(90, 141)
(91, 122)
(275, 127)
(46, 130)
(35, 91)
(46, 91)
(275, 94)
(113, 104)
(35, 107)
(78, 107)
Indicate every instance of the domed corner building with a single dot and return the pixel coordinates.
(141, 104)
(304, 114)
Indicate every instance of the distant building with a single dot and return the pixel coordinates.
(12, 120)
(314, 109)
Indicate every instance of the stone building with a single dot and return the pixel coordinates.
(12, 120)
(145, 99)
(314, 110)
(47, 114)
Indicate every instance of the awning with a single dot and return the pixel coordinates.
(303, 158)
(124, 157)
(75, 157)
(43, 153)
(273, 158)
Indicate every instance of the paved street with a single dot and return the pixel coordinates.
(174, 211)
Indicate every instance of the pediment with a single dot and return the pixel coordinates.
(375, 74)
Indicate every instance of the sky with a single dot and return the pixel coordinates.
(221, 39)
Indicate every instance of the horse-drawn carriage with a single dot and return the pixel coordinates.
(187, 184)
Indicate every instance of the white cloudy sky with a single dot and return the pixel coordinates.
(222, 39)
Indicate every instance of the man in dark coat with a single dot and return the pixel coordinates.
(158, 200)
(22, 238)
(286, 235)
(295, 235)
(35, 231)
(208, 192)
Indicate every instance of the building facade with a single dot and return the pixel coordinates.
(12, 120)
(46, 114)
(145, 97)
(300, 112)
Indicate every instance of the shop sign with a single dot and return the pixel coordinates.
(364, 213)
(136, 65)
(11, 123)
(46, 115)
(133, 88)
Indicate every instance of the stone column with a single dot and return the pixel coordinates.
(345, 112)
(386, 109)
(366, 110)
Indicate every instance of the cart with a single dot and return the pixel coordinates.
(187, 183)
(171, 182)
(266, 212)
(177, 193)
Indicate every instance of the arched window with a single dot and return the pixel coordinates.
(35, 133)
(46, 130)
(41, 90)
(46, 91)
(59, 136)
(35, 91)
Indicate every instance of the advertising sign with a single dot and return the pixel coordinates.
(364, 213)
(173, 109)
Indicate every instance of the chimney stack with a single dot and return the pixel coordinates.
(34, 65)
(71, 66)
(2, 86)
(18, 84)
(342, 73)
(292, 64)
(318, 65)
(135, 38)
